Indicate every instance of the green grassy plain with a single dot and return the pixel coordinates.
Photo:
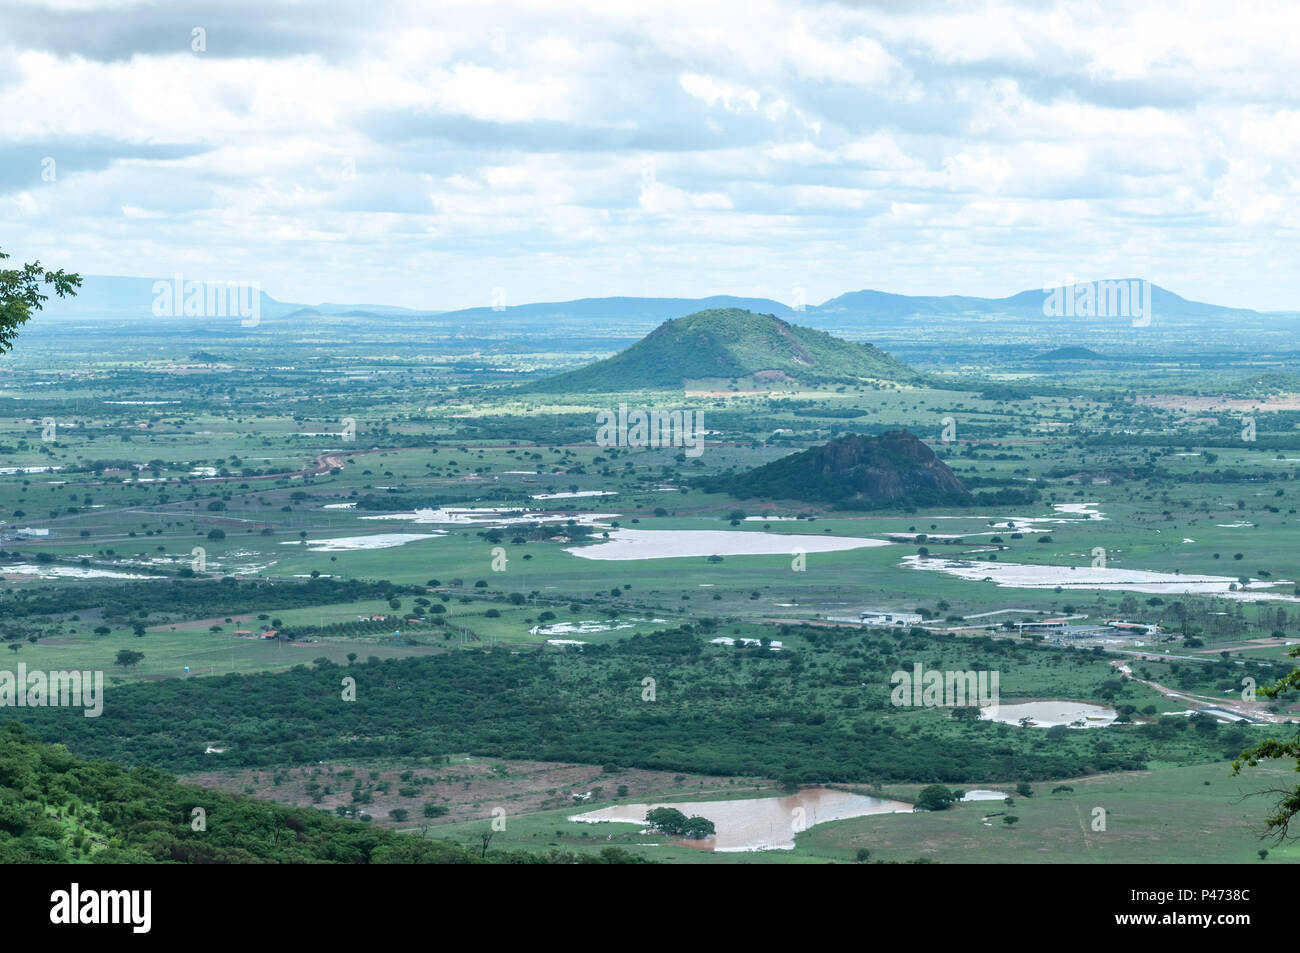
(126, 494)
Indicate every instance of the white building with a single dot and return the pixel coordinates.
(890, 618)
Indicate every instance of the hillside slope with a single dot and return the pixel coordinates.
(731, 343)
(855, 470)
(58, 808)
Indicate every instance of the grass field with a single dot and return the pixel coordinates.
(1168, 815)
(153, 454)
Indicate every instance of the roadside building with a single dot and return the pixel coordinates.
(890, 618)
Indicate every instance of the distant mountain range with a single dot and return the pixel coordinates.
(1119, 299)
(725, 344)
(119, 297)
(107, 296)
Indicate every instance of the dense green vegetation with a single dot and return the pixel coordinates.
(669, 820)
(57, 808)
(184, 600)
(818, 710)
(159, 449)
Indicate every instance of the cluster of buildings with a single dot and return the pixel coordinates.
(16, 534)
(266, 633)
(1058, 630)
(1071, 630)
(891, 619)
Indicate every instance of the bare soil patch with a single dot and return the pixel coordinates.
(200, 623)
(1193, 402)
(468, 787)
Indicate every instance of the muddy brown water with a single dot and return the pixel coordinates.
(767, 823)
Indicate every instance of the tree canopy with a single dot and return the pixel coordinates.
(21, 295)
(1278, 823)
(936, 797)
(669, 820)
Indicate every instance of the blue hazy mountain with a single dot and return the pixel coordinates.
(632, 312)
(127, 298)
(118, 297)
(1035, 304)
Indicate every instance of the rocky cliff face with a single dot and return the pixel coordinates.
(894, 466)
(854, 470)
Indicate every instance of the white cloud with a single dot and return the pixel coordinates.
(796, 144)
(659, 198)
(713, 91)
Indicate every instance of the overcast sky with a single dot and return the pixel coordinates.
(424, 154)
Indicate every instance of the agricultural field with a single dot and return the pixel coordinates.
(174, 519)
(525, 435)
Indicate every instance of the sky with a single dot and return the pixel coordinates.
(446, 155)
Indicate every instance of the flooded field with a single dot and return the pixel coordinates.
(68, 572)
(488, 516)
(1026, 576)
(588, 626)
(662, 544)
(348, 543)
(574, 495)
(1045, 714)
(767, 823)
